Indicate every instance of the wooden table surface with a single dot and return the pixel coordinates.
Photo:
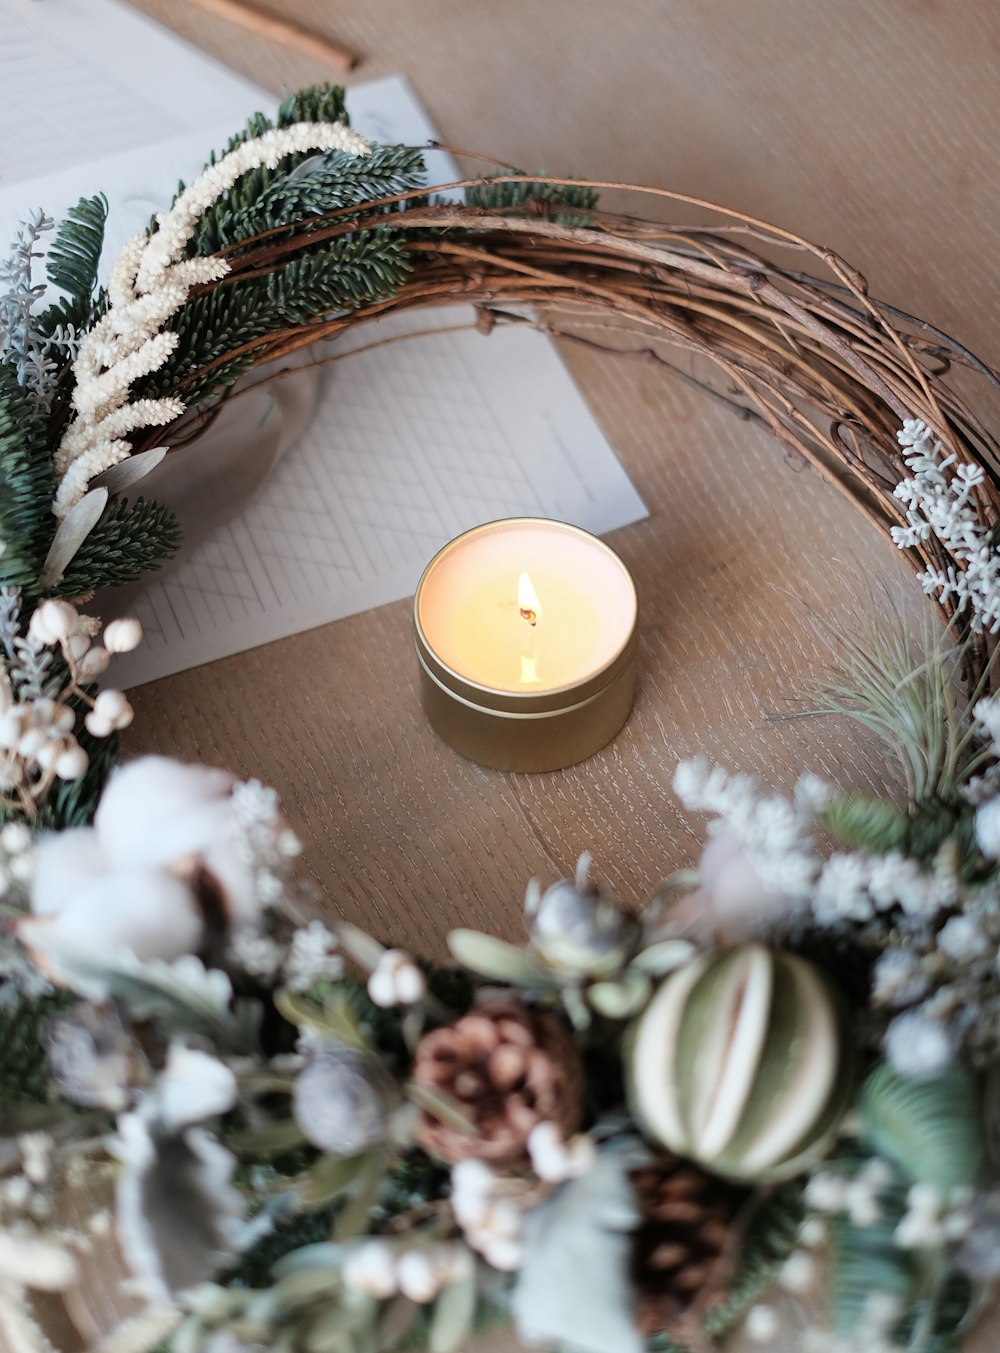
(868, 125)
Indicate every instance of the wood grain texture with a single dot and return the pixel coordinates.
(868, 126)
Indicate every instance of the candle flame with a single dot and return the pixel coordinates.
(529, 607)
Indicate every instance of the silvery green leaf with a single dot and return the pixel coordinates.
(622, 999)
(359, 945)
(453, 1315)
(326, 1181)
(301, 1288)
(440, 1106)
(70, 534)
(183, 995)
(324, 1254)
(353, 1219)
(663, 957)
(267, 1139)
(398, 1319)
(496, 959)
(129, 471)
(573, 1289)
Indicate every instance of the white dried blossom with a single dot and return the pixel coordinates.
(312, 957)
(487, 1207)
(371, 1268)
(899, 979)
(148, 285)
(987, 827)
(961, 938)
(918, 1045)
(940, 501)
(258, 955)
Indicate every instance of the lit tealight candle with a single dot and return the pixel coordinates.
(526, 634)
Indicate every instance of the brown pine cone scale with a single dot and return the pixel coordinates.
(510, 1067)
(686, 1224)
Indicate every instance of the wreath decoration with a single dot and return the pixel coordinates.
(645, 1127)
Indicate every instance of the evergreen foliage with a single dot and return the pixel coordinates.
(27, 485)
(770, 1239)
(72, 262)
(569, 204)
(128, 542)
(24, 1067)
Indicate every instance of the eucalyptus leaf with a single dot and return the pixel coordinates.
(440, 1106)
(70, 534)
(451, 1322)
(327, 1180)
(663, 957)
(496, 959)
(398, 1319)
(354, 1218)
(358, 945)
(342, 1020)
(301, 1289)
(931, 1128)
(267, 1139)
(324, 1254)
(301, 1010)
(129, 471)
(621, 999)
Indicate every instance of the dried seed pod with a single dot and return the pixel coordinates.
(739, 1062)
(344, 1100)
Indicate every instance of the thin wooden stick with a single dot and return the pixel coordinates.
(280, 30)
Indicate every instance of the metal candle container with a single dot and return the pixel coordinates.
(526, 635)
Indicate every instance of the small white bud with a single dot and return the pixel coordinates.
(64, 720)
(94, 662)
(98, 727)
(51, 621)
(798, 1272)
(72, 763)
(122, 636)
(382, 989)
(110, 705)
(11, 725)
(371, 1268)
(762, 1325)
(417, 1276)
(49, 754)
(32, 741)
(14, 838)
(505, 1255)
(77, 645)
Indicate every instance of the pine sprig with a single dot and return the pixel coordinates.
(770, 1239)
(73, 260)
(27, 485)
(339, 275)
(567, 204)
(129, 542)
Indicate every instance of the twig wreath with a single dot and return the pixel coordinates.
(642, 1129)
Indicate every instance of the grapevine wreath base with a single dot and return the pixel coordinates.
(640, 1129)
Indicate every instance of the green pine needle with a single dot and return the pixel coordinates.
(73, 258)
(129, 542)
(27, 486)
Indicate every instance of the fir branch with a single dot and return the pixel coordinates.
(770, 1239)
(566, 204)
(318, 103)
(341, 274)
(129, 542)
(27, 484)
(73, 259)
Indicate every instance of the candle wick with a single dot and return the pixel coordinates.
(526, 613)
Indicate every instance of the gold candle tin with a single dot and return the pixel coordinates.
(525, 730)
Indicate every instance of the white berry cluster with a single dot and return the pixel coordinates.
(378, 1270)
(396, 980)
(38, 743)
(487, 1207)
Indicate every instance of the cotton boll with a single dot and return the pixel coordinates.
(65, 863)
(194, 1086)
(988, 828)
(148, 914)
(141, 796)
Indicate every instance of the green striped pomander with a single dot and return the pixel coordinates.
(740, 1063)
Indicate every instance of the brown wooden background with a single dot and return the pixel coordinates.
(867, 125)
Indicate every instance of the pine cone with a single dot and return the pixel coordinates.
(686, 1221)
(511, 1068)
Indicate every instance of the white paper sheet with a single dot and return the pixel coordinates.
(410, 444)
(83, 79)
